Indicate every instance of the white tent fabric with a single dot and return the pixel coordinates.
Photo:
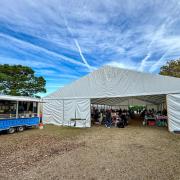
(60, 112)
(173, 107)
(116, 82)
(107, 85)
(53, 112)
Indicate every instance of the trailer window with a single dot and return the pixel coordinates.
(7, 109)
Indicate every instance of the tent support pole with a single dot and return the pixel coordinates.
(38, 108)
(17, 109)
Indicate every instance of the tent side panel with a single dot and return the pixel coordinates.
(69, 111)
(79, 109)
(83, 107)
(53, 112)
(173, 107)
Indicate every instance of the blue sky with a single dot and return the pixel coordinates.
(64, 40)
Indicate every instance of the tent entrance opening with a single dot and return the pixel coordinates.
(140, 110)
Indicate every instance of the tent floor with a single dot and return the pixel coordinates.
(137, 121)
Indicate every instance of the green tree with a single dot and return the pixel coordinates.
(18, 80)
(172, 68)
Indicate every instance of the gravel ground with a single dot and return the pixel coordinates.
(134, 152)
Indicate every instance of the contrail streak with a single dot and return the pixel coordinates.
(160, 61)
(77, 45)
(81, 54)
(167, 22)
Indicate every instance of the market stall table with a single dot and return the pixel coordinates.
(161, 120)
(150, 120)
(75, 121)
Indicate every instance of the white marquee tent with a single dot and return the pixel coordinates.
(113, 86)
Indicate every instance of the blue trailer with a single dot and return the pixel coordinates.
(18, 113)
(19, 124)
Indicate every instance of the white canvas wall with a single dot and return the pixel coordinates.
(59, 112)
(83, 111)
(77, 108)
(173, 107)
(53, 112)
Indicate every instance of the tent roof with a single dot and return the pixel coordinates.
(19, 98)
(121, 101)
(108, 82)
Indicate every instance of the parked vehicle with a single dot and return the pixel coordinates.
(19, 124)
(18, 113)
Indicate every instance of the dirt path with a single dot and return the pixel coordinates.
(134, 152)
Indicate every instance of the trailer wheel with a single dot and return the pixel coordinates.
(20, 129)
(11, 130)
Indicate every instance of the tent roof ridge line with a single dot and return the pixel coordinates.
(130, 70)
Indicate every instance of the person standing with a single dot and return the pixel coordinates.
(108, 119)
(100, 117)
